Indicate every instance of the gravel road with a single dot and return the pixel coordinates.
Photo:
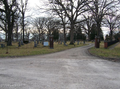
(71, 69)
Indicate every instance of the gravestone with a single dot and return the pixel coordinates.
(45, 43)
(2, 45)
(22, 43)
(19, 44)
(35, 45)
(65, 44)
(77, 42)
(83, 41)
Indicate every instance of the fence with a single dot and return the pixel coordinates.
(107, 44)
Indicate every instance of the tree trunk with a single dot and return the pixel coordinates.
(23, 25)
(9, 42)
(89, 37)
(72, 34)
(98, 29)
(6, 36)
(64, 34)
(111, 34)
(10, 26)
(98, 35)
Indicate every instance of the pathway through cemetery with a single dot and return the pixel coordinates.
(71, 69)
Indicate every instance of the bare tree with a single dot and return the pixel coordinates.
(112, 22)
(62, 16)
(22, 9)
(86, 25)
(8, 11)
(72, 9)
(39, 23)
(100, 8)
(34, 34)
(15, 31)
(50, 25)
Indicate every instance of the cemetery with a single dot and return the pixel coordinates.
(59, 44)
(32, 48)
(33, 35)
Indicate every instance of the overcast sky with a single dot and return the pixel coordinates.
(35, 8)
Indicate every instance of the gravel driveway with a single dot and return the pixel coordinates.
(70, 69)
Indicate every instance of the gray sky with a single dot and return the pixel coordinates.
(35, 8)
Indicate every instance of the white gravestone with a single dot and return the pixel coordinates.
(45, 44)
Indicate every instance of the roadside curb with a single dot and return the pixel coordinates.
(105, 58)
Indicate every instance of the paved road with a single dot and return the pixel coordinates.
(70, 69)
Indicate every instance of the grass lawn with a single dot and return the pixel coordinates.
(28, 49)
(107, 53)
